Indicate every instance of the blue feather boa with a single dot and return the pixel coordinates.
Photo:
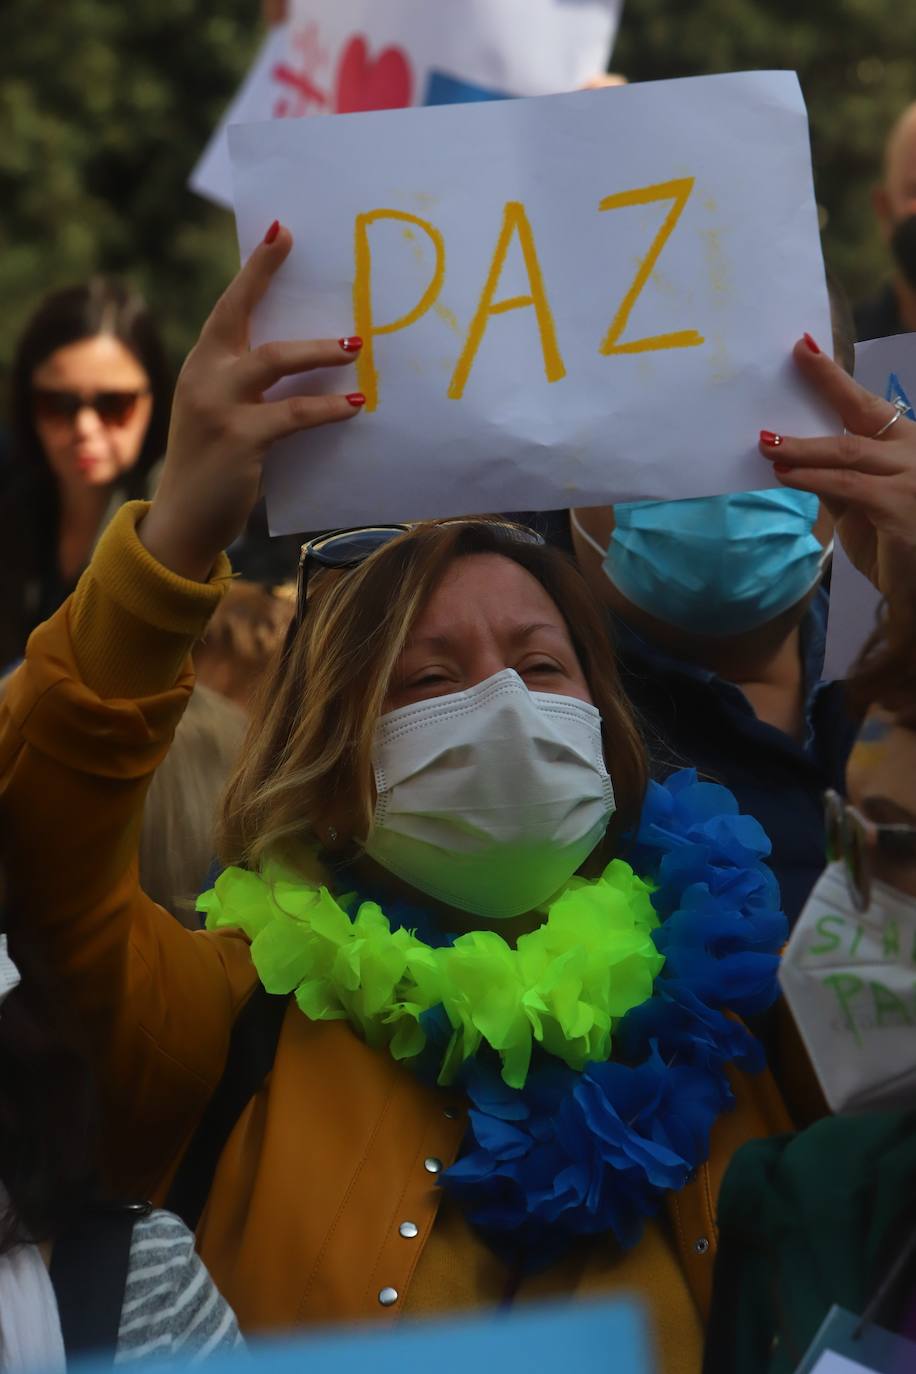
(579, 1154)
(595, 1152)
(591, 1153)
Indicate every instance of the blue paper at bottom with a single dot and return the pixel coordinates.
(587, 1338)
(874, 1348)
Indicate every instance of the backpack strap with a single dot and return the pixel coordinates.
(891, 1300)
(252, 1050)
(89, 1265)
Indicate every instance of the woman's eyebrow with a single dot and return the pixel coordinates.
(441, 642)
(517, 634)
(526, 631)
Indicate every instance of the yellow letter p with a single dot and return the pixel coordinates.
(364, 323)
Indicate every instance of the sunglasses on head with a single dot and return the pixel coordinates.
(343, 549)
(855, 841)
(112, 407)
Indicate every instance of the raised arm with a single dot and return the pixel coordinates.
(92, 712)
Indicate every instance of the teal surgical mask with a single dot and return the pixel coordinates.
(717, 565)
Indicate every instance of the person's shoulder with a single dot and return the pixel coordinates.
(785, 1173)
(171, 1304)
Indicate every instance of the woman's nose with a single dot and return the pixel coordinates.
(86, 421)
(484, 666)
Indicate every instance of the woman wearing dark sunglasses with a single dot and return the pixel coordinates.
(440, 1047)
(89, 405)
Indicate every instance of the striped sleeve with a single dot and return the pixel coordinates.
(171, 1306)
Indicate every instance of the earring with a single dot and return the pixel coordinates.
(332, 833)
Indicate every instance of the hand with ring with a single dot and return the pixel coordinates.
(866, 477)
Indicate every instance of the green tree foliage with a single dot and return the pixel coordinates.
(855, 59)
(105, 106)
(104, 109)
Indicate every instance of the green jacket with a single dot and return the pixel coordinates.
(807, 1221)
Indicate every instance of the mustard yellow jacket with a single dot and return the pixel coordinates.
(303, 1222)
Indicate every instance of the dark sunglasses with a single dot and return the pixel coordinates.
(854, 840)
(343, 549)
(112, 407)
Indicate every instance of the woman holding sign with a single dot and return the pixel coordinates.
(464, 1027)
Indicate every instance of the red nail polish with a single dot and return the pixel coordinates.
(272, 232)
(812, 344)
(782, 468)
(351, 345)
(356, 399)
(770, 439)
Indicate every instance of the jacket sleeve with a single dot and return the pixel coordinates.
(85, 721)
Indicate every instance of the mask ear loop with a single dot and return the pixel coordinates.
(589, 539)
(826, 559)
(828, 551)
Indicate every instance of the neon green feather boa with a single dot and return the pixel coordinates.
(565, 985)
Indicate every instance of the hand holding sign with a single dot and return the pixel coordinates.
(867, 480)
(222, 427)
(552, 294)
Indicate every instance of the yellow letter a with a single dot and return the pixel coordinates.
(514, 221)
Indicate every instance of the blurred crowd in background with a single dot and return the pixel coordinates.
(181, 722)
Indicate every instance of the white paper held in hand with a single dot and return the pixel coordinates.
(563, 301)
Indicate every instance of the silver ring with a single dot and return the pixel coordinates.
(901, 408)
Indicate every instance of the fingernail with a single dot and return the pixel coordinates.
(782, 468)
(351, 345)
(272, 232)
(356, 399)
(812, 344)
(770, 439)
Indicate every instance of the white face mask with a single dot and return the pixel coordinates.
(490, 799)
(9, 973)
(850, 980)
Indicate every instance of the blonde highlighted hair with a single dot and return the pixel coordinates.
(177, 838)
(306, 769)
(249, 626)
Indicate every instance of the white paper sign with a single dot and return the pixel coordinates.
(854, 604)
(848, 979)
(260, 97)
(564, 301)
(888, 368)
(340, 56)
(831, 1363)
